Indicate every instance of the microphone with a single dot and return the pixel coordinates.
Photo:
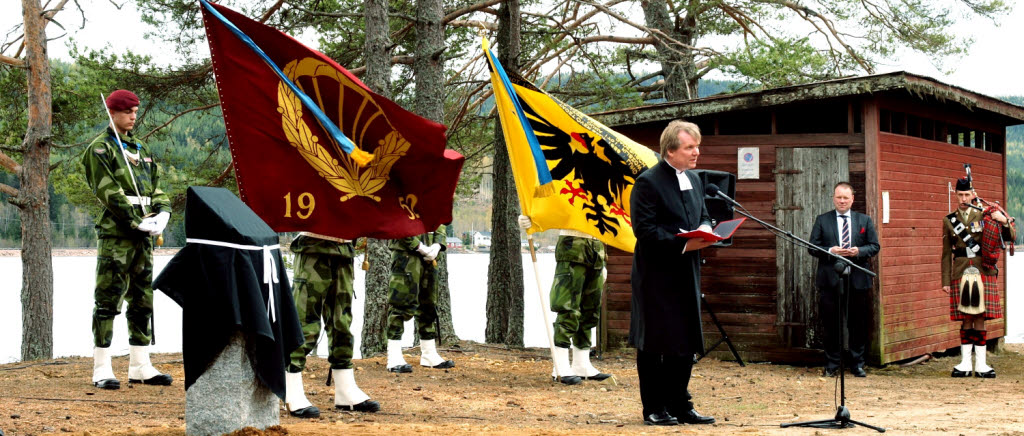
(711, 190)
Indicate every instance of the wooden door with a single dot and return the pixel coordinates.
(804, 182)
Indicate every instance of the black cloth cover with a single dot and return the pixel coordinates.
(221, 290)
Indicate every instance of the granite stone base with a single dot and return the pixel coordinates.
(229, 397)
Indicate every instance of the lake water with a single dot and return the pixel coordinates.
(74, 279)
(73, 301)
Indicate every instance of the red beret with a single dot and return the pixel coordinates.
(122, 99)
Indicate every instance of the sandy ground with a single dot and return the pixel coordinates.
(65, 252)
(497, 391)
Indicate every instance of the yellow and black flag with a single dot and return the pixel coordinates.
(571, 171)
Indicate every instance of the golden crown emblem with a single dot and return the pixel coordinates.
(342, 171)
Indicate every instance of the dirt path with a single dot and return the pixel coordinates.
(497, 391)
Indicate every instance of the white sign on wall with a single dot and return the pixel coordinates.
(747, 163)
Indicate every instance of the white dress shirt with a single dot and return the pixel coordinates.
(684, 181)
(839, 226)
(684, 185)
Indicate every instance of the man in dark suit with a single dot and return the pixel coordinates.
(665, 325)
(849, 234)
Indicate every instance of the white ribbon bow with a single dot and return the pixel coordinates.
(270, 275)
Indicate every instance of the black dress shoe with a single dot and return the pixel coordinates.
(988, 374)
(660, 418)
(110, 383)
(369, 406)
(600, 376)
(443, 365)
(858, 371)
(568, 380)
(305, 412)
(692, 417)
(401, 368)
(157, 380)
(958, 373)
(830, 372)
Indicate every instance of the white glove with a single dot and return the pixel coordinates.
(423, 250)
(434, 251)
(161, 223)
(525, 222)
(147, 225)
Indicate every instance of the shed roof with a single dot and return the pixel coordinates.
(915, 85)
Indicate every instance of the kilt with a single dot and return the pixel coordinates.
(993, 302)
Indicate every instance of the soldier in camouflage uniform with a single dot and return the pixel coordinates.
(576, 298)
(323, 289)
(414, 293)
(126, 182)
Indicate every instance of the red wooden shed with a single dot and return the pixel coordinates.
(899, 138)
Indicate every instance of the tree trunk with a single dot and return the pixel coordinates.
(34, 198)
(677, 63)
(378, 78)
(505, 271)
(375, 308)
(428, 68)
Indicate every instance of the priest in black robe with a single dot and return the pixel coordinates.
(665, 323)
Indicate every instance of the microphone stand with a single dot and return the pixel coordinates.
(843, 266)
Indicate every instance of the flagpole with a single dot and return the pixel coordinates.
(543, 310)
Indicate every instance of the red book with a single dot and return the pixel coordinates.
(722, 231)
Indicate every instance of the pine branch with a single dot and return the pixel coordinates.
(223, 175)
(451, 16)
(175, 116)
(404, 60)
(12, 61)
(9, 190)
(9, 164)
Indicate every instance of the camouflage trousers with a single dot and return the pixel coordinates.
(576, 291)
(413, 294)
(124, 272)
(323, 290)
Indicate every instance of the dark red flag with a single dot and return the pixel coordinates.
(291, 171)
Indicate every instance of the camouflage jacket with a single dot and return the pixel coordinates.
(107, 175)
(313, 245)
(409, 244)
(585, 251)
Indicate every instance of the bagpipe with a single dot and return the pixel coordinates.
(994, 242)
(994, 235)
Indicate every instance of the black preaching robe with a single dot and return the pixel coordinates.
(665, 316)
(222, 289)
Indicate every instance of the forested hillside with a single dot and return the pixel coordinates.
(196, 150)
(1015, 167)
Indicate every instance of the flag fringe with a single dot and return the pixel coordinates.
(361, 157)
(545, 190)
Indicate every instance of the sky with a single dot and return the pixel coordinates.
(993, 67)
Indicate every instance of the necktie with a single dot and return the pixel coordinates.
(845, 237)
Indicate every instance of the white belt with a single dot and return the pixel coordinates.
(136, 200)
(324, 237)
(576, 233)
(269, 267)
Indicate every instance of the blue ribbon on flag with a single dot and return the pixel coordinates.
(346, 144)
(543, 174)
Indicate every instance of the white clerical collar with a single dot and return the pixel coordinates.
(684, 181)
